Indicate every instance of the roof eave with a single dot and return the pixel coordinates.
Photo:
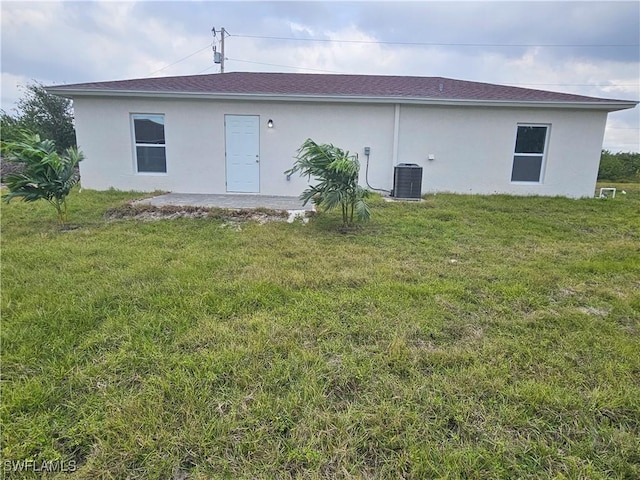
(609, 106)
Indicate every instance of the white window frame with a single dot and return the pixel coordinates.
(135, 144)
(543, 163)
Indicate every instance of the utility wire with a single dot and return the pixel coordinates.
(581, 84)
(178, 61)
(393, 43)
(379, 42)
(208, 68)
(284, 66)
(512, 84)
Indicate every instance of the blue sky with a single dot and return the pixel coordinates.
(589, 48)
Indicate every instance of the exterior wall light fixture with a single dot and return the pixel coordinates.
(270, 123)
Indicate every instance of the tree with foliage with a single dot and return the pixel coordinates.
(48, 175)
(50, 116)
(337, 172)
(619, 167)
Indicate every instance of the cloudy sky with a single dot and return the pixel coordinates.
(589, 48)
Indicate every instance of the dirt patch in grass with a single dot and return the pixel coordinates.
(169, 212)
(68, 227)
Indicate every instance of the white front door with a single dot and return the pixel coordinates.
(242, 137)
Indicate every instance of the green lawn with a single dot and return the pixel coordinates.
(461, 337)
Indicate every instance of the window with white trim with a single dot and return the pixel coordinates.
(148, 136)
(529, 155)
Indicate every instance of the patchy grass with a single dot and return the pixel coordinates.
(459, 337)
(147, 212)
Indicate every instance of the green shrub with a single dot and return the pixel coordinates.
(619, 167)
(337, 172)
(45, 174)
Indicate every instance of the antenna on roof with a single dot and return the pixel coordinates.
(218, 57)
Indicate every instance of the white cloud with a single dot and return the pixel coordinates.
(30, 15)
(69, 42)
(298, 28)
(115, 17)
(623, 133)
(11, 90)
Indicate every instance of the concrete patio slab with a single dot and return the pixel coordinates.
(235, 201)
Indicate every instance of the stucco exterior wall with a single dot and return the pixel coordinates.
(473, 147)
(195, 141)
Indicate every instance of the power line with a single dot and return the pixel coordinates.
(208, 68)
(382, 42)
(284, 66)
(507, 83)
(178, 61)
(501, 83)
(443, 44)
(581, 84)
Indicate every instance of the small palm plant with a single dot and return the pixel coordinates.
(337, 172)
(47, 175)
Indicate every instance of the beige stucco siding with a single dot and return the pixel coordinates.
(195, 141)
(473, 146)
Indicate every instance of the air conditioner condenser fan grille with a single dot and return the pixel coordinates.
(407, 181)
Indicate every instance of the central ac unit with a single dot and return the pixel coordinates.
(407, 181)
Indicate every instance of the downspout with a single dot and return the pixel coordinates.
(396, 133)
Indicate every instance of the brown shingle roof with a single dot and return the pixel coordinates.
(305, 84)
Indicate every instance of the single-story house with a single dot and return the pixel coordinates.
(239, 132)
